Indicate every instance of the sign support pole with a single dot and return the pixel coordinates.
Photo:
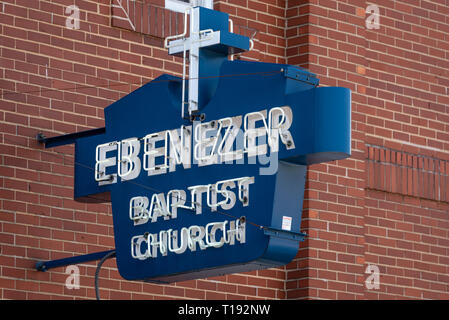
(46, 265)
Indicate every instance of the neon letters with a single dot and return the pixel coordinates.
(142, 210)
(214, 142)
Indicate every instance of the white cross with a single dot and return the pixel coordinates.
(198, 39)
(181, 6)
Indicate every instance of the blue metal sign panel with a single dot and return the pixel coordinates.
(193, 199)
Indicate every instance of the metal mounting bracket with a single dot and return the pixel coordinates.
(283, 234)
(45, 265)
(67, 138)
(298, 74)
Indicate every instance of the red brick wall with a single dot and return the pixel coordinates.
(387, 204)
(55, 80)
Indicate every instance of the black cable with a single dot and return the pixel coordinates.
(62, 155)
(97, 272)
(261, 73)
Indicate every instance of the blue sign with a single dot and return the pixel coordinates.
(218, 189)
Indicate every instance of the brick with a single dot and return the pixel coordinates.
(398, 82)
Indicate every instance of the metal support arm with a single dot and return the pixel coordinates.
(283, 234)
(45, 265)
(67, 138)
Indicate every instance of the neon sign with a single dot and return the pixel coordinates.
(216, 187)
